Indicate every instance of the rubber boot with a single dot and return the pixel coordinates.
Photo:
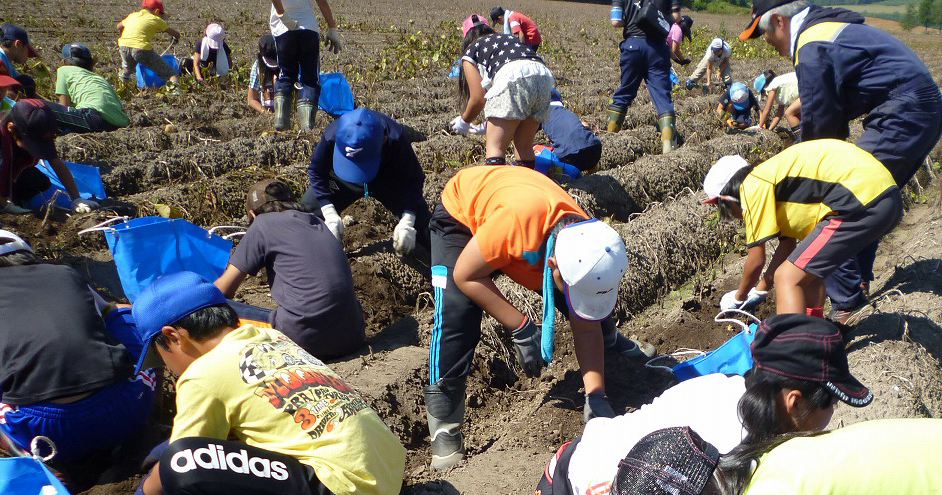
(668, 132)
(444, 409)
(616, 117)
(306, 111)
(282, 111)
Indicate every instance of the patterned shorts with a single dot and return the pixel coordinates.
(523, 98)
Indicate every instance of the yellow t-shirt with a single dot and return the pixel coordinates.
(260, 386)
(890, 456)
(794, 190)
(140, 28)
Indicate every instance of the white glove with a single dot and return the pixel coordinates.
(14, 210)
(729, 301)
(479, 130)
(288, 21)
(332, 41)
(80, 205)
(460, 126)
(754, 299)
(404, 234)
(333, 221)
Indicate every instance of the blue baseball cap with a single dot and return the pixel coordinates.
(759, 83)
(71, 51)
(166, 301)
(358, 146)
(739, 95)
(555, 96)
(10, 32)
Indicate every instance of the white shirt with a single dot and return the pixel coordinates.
(727, 50)
(708, 404)
(786, 88)
(795, 26)
(300, 10)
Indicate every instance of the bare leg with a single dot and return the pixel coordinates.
(523, 139)
(797, 290)
(499, 134)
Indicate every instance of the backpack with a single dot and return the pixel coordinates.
(649, 18)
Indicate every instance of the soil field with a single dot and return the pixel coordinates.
(198, 151)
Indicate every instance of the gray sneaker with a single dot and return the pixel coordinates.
(631, 348)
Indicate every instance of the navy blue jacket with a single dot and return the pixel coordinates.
(399, 176)
(843, 78)
(567, 133)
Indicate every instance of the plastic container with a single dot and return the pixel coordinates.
(146, 78)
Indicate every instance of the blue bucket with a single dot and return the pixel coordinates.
(146, 77)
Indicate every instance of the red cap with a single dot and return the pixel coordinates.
(153, 5)
(7, 81)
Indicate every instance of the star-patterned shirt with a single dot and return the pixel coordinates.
(494, 51)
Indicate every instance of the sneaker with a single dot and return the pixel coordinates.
(631, 348)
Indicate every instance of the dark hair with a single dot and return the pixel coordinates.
(204, 323)
(763, 420)
(769, 76)
(278, 206)
(265, 73)
(732, 190)
(496, 12)
(27, 85)
(18, 258)
(478, 31)
(7, 43)
(85, 63)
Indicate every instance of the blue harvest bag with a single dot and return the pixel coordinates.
(146, 78)
(28, 476)
(734, 357)
(336, 97)
(87, 178)
(546, 159)
(148, 247)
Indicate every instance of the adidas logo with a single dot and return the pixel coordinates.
(214, 457)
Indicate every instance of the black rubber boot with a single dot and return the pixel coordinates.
(306, 111)
(444, 408)
(282, 111)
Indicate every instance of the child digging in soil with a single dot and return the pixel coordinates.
(297, 427)
(738, 103)
(137, 32)
(516, 24)
(261, 93)
(794, 386)
(210, 52)
(509, 82)
(824, 199)
(715, 59)
(783, 90)
(87, 102)
(519, 222)
(571, 139)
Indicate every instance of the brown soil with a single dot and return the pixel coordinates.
(681, 261)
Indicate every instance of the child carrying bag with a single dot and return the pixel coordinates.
(148, 247)
(734, 357)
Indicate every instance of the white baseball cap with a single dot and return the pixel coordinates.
(16, 243)
(720, 174)
(591, 259)
(716, 44)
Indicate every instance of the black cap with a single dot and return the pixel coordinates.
(72, 51)
(268, 51)
(808, 348)
(686, 23)
(671, 461)
(760, 7)
(496, 12)
(10, 32)
(36, 127)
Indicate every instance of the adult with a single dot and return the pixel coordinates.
(800, 371)
(262, 76)
(517, 24)
(715, 59)
(297, 426)
(297, 36)
(847, 69)
(307, 271)
(510, 83)
(645, 56)
(367, 154)
(87, 101)
(521, 223)
(675, 38)
(783, 90)
(67, 371)
(210, 52)
(825, 200)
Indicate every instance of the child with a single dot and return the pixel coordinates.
(739, 102)
(27, 135)
(571, 139)
(11, 86)
(261, 92)
(297, 36)
(519, 222)
(15, 47)
(517, 24)
(137, 33)
(513, 90)
(87, 102)
(783, 90)
(307, 270)
(68, 367)
(297, 427)
(715, 59)
(675, 38)
(796, 364)
(367, 154)
(210, 51)
(825, 199)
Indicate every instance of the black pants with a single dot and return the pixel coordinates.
(207, 466)
(299, 58)
(79, 120)
(555, 479)
(29, 183)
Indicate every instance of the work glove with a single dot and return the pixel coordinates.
(684, 61)
(80, 205)
(729, 301)
(460, 126)
(526, 339)
(332, 41)
(754, 299)
(404, 234)
(288, 21)
(14, 210)
(596, 406)
(479, 130)
(333, 221)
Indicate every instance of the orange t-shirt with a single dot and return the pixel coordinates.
(510, 211)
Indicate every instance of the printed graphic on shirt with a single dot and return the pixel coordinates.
(299, 385)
